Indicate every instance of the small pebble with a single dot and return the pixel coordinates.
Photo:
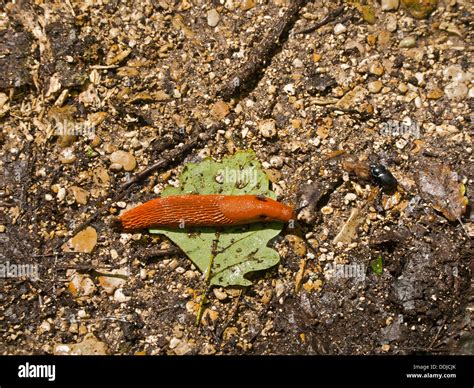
(401, 143)
(120, 297)
(267, 128)
(376, 68)
(85, 240)
(391, 23)
(456, 91)
(298, 63)
(61, 194)
(350, 197)
(173, 264)
(67, 156)
(435, 94)
(112, 283)
(375, 86)
(408, 42)
(402, 88)
(326, 210)
(339, 28)
(245, 5)
(455, 73)
(124, 159)
(289, 89)
(276, 161)
(80, 195)
(390, 5)
(219, 294)
(220, 110)
(213, 18)
(418, 102)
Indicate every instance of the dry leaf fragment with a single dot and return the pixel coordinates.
(439, 186)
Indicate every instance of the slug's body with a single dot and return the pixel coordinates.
(182, 211)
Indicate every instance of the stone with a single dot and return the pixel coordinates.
(220, 110)
(84, 241)
(298, 63)
(455, 73)
(61, 194)
(120, 297)
(289, 89)
(350, 197)
(408, 42)
(326, 210)
(267, 128)
(80, 195)
(81, 285)
(339, 29)
(182, 348)
(390, 5)
(213, 18)
(67, 156)
(402, 88)
(245, 5)
(391, 23)
(376, 68)
(276, 161)
(124, 159)
(110, 282)
(456, 91)
(375, 86)
(219, 294)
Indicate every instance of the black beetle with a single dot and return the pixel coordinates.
(383, 177)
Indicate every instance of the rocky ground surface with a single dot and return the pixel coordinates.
(94, 92)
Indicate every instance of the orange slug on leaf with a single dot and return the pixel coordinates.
(181, 211)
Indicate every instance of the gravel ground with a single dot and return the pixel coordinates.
(94, 92)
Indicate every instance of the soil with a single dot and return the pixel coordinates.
(81, 80)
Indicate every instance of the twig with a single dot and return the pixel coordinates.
(330, 16)
(261, 54)
(437, 335)
(232, 314)
(207, 279)
(160, 252)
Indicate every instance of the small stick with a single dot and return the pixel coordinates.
(232, 314)
(463, 227)
(261, 54)
(207, 279)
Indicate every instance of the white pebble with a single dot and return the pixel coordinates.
(297, 63)
(61, 194)
(213, 18)
(389, 5)
(350, 197)
(289, 89)
(339, 29)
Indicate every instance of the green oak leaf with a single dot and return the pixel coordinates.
(234, 251)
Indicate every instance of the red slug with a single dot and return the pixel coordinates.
(204, 210)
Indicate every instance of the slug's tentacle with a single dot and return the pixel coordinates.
(204, 210)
